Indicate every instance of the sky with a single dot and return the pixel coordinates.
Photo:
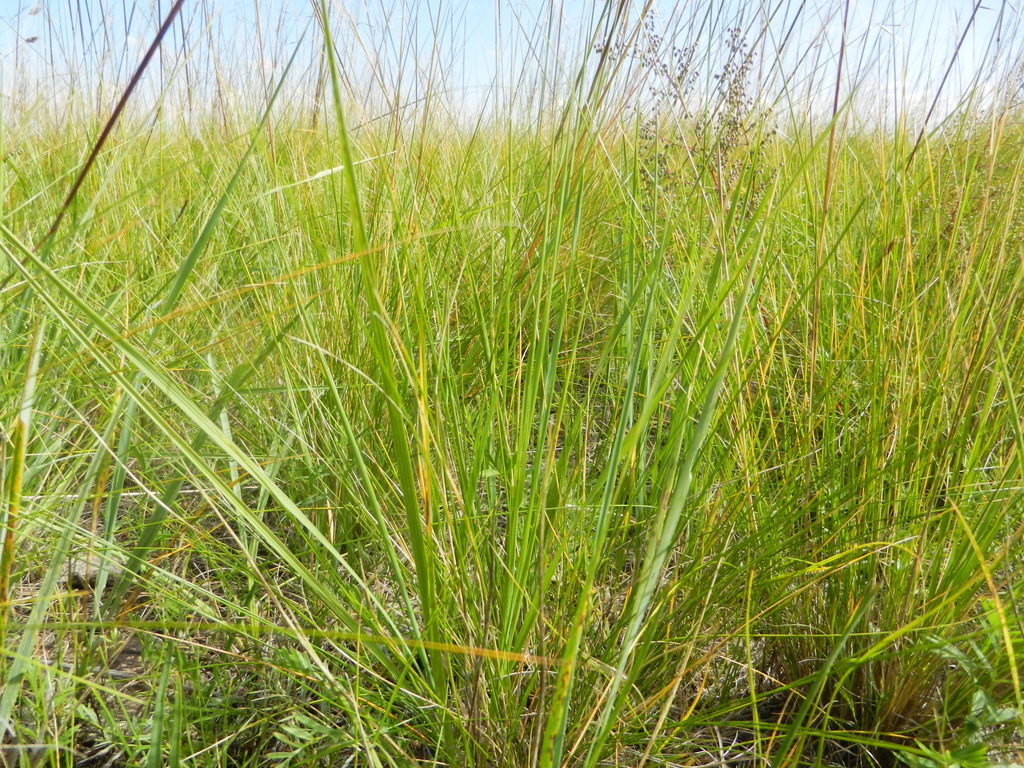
(897, 52)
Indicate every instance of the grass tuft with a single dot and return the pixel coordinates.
(657, 405)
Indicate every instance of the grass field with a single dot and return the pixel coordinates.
(592, 429)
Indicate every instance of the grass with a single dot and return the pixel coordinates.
(603, 432)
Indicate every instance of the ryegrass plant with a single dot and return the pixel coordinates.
(580, 436)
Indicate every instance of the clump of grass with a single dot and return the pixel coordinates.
(632, 423)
